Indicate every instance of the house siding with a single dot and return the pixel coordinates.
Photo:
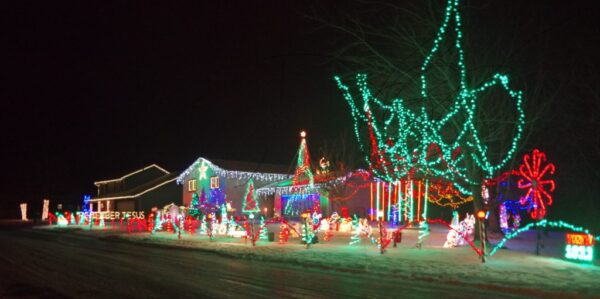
(160, 197)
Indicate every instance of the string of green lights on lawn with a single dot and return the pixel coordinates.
(541, 223)
(402, 142)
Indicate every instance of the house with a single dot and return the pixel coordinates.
(280, 191)
(221, 182)
(140, 190)
(347, 195)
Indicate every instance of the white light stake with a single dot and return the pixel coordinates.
(45, 209)
(24, 211)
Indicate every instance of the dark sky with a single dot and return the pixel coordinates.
(96, 90)
(92, 90)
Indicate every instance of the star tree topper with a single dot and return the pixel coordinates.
(202, 171)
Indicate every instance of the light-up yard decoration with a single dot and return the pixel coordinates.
(541, 224)
(460, 233)
(23, 212)
(403, 200)
(407, 200)
(579, 247)
(414, 142)
(250, 201)
(45, 209)
(303, 175)
(533, 172)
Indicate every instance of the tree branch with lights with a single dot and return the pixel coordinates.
(420, 137)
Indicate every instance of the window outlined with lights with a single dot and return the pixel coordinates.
(192, 185)
(214, 182)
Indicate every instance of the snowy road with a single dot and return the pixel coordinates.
(49, 264)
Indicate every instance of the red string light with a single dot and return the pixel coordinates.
(533, 180)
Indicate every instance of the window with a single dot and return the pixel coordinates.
(192, 185)
(214, 182)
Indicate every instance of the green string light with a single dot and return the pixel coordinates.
(541, 223)
(401, 143)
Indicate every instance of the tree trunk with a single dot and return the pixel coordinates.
(477, 205)
(493, 220)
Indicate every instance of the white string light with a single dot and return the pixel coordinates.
(233, 174)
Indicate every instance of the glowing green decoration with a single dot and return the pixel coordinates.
(355, 231)
(203, 225)
(307, 234)
(579, 247)
(423, 232)
(174, 223)
(250, 202)
(407, 143)
(193, 210)
(582, 253)
(411, 203)
(303, 165)
(541, 223)
(157, 223)
(81, 218)
(264, 231)
(399, 200)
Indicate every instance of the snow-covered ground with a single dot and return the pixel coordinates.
(515, 269)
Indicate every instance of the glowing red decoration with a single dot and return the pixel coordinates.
(533, 179)
(284, 233)
(580, 239)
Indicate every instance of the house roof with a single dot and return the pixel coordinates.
(132, 173)
(287, 186)
(239, 169)
(251, 166)
(140, 189)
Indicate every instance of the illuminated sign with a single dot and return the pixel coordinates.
(116, 215)
(579, 247)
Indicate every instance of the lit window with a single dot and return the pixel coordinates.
(192, 185)
(214, 182)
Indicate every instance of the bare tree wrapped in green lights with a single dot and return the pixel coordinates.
(450, 142)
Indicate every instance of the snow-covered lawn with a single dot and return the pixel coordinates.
(514, 268)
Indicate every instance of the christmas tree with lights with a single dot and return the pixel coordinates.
(263, 229)
(355, 231)
(303, 175)
(250, 204)
(194, 210)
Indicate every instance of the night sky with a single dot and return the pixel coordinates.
(92, 90)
